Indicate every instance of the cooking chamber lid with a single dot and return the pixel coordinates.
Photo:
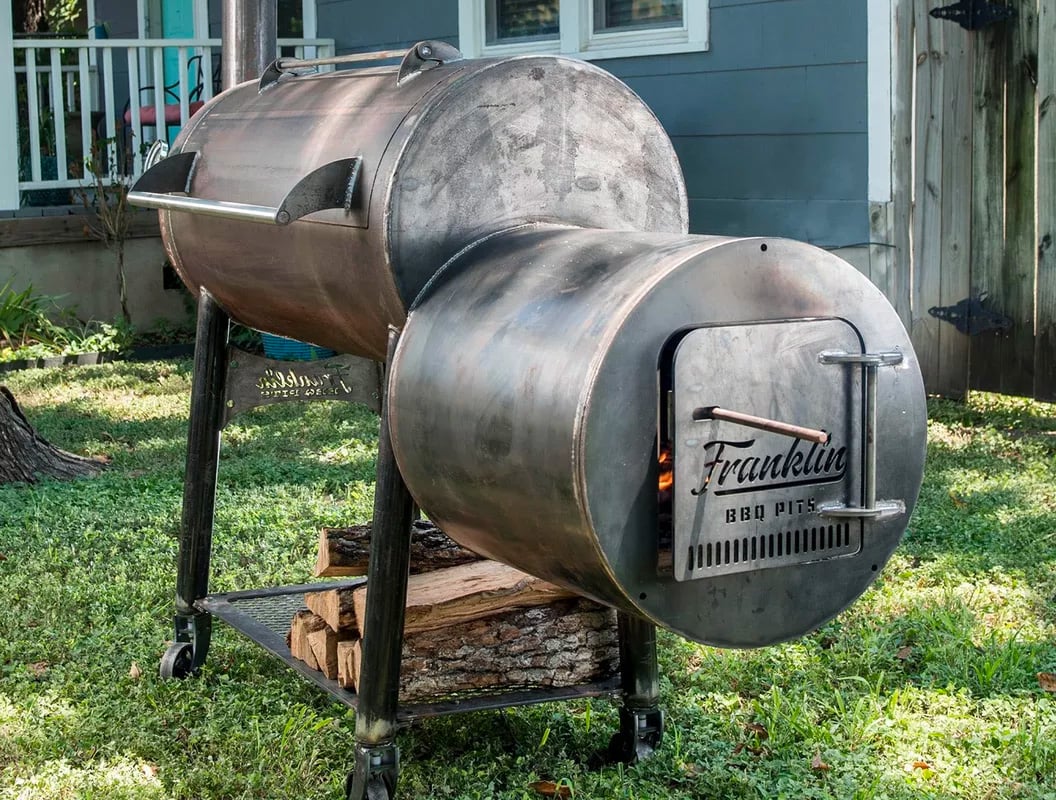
(745, 498)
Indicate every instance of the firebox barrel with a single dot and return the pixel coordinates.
(524, 401)
(434, 154)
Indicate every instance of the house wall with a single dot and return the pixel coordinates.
(83, 275)
(770, 124)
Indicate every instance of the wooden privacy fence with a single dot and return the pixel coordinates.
(974, 207)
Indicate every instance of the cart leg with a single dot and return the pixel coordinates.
(377, 756)
(193, 627)
(641, 720)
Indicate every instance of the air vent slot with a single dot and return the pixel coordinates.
(724, 553)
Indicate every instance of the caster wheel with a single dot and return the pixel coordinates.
(177, 661)
(378, 790)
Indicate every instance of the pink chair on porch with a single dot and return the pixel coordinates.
(171, 111)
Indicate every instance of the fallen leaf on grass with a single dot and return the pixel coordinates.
(742, 747)
(150, 770)
(920, 765)
(957, 501)
(38, 669)
(903, 653)
(134, 671)
(818, 765)
(758, 730)
(1047, 681)
(550, 789)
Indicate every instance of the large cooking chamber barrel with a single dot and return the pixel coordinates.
(526, 393)
(421, 164)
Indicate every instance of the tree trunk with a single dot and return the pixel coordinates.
(26, 458)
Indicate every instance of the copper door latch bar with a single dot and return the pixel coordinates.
(761, 423)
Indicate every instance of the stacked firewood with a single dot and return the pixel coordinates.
(471, 625)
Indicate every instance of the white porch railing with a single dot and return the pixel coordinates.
(75, 94)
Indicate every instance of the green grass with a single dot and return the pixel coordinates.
(924, 688)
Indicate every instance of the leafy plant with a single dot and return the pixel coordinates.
(34, 326)
(107, 198)
(24, 319)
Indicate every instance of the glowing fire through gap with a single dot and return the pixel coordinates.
(667, 468)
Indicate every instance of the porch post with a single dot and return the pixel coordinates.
(311, 26)
(9, 198)
(201, 19)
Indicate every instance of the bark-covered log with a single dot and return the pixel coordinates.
(26, 458)
(566, 643)
(345, 552)
(460, 594)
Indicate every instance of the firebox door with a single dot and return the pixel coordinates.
(746, 497)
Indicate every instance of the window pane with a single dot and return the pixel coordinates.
(612, 15)
(521, 20)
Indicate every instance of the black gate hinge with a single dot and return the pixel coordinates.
(974, 15)
(970, 316)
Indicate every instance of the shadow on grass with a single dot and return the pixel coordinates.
(262, 446)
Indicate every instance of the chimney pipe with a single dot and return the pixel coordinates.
(248, 33)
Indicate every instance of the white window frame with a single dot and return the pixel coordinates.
(578, 39)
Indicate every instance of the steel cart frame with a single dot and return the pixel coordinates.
(226, 381)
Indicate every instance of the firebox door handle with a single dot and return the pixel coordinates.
(760, 423)
(871, 508)
(330, 186)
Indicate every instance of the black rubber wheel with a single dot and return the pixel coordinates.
(378, 790)
(177, 661)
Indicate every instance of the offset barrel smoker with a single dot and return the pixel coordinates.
(723, 437)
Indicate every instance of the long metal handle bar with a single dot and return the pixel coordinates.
(351, 58)
(423, 56)
(210, 208)
(870, 363)
(332, 185)
(761, 423)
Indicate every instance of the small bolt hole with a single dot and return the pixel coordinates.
(642, 596)
(762, 247)
(875, 568)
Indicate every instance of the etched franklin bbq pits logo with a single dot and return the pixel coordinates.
(796, 466)
(299, 383)
(756, 459)
(254, 381)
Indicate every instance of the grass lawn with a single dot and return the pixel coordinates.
(926, 687)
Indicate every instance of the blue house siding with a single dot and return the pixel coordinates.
(770, 124)
(358, 26)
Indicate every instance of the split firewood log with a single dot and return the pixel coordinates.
(323, 644)
(335, 607)
(346, 551)
(303, 625)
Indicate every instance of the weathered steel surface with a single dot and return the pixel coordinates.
(538, 351)
(459, 152)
